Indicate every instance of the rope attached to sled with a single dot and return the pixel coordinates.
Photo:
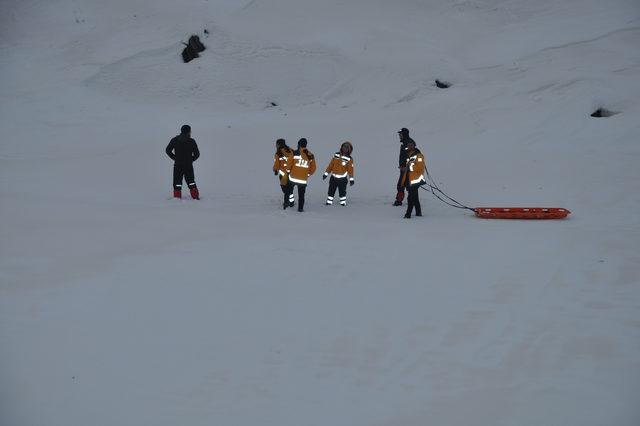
(433, 187)
(496, 212)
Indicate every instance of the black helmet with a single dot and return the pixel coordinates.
(185, 130)
(302, 143)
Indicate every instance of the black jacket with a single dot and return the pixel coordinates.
(183, 150)
(402, 157)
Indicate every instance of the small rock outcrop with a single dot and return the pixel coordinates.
(603, 112)
(192, 49)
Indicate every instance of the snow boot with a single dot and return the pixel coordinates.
(177, 193)
(194, 193)
(399, 198)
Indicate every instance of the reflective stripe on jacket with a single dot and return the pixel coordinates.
(282, 162)
(304, 165)
(415, 169)
(340, 166)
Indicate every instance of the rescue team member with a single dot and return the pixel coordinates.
(341, 169)
(282, 162)
(304, 165)
(183, 150)
(413, 178)
(402, 161)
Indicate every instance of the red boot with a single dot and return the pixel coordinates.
(194, 193)
(399, 198)
(177, 193)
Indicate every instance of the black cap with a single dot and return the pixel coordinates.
(404, 131)
(185, 130)
(302, 143)
(281, 142)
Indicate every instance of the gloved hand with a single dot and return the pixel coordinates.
(324, 176)
(351, 182)
(275, 173)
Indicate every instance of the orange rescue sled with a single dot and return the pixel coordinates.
(521, 212)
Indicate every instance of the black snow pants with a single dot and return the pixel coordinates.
(181, 171)
(287, 190)
(341, 185)
(413, 200)
(302, 187)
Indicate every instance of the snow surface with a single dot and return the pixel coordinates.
(120, 306)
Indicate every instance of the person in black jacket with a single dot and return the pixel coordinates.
(402, 161)
(183, 150)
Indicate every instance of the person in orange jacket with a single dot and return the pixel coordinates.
(282, 162)
(341, 169)
(413, 178)
(304, 165)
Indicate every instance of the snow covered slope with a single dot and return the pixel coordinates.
(120, 306)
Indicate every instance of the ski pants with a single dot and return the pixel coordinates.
(287, 190)
(302, 187)
(400, 188)
(341, 185)
(183, 171)
(413, 200)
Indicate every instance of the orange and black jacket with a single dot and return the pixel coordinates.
(304, 165)
(340, 166)
(282, 162)
(414, 173)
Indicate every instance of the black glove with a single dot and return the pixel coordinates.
(275, 173)
(324, 176)
(351, 182)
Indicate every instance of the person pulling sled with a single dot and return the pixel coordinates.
(413, 178)
(341, 169)
(183, 150)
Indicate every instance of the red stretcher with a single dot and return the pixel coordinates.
(521, 212)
